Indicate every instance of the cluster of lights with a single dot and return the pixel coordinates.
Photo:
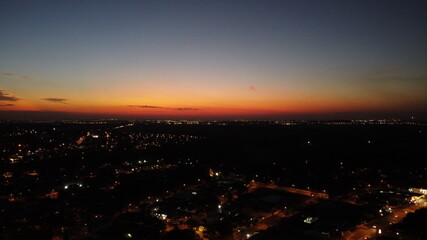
(67, 186)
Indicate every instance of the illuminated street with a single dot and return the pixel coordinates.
(367, 230)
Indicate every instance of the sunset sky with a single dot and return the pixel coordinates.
(213, 59)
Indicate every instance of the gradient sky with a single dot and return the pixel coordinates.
(214, 59)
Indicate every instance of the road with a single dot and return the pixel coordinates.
(367, 230)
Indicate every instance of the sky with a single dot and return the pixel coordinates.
(236, 59)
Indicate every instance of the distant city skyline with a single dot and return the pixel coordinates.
(213, 59)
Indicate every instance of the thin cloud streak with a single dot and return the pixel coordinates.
(159, 107)
(144, 106)
(7, 105)
(56, 100)
(5, 96)
(186, 109)
(20, 76)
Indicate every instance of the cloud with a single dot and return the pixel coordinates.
(14, 75)
(5, 96)
(144, 106)
(159, 107)
(185, 109)
(56, 100)
(252, 88)
(7, 105)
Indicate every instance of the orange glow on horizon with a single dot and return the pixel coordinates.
(163, 110)
(248, 102)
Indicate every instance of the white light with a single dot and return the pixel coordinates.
(248, 235)
(66, 187)
(379, 231)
